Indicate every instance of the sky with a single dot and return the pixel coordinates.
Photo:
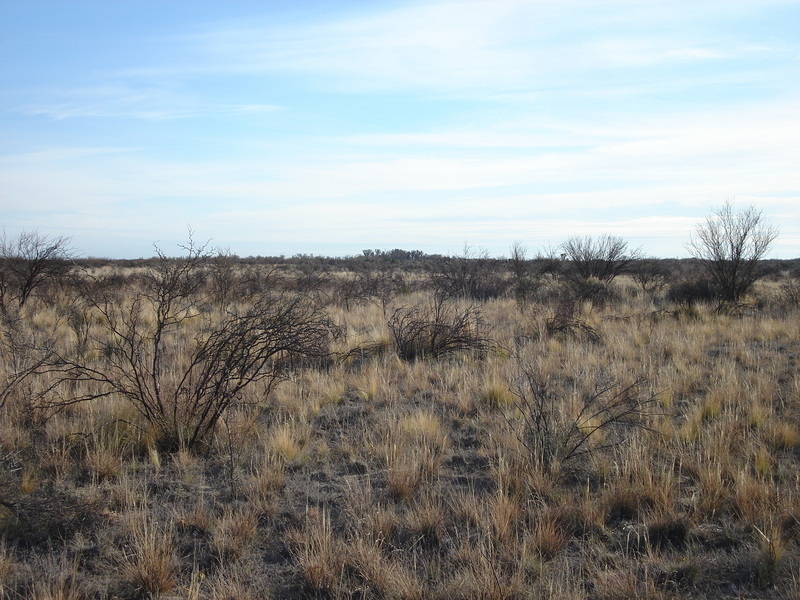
(328, 127)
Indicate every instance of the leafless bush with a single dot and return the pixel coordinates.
(382, 285)
(691, 292)
(229, 278)
(594, 291)
(603, 258)
(314, 280)
(790, 290)
(29, 262)
(437, 330)
(26, 350)
(556, 428)
(565, 322)
(472, 275)
(730, 245)
(529, 275)
(183, 379)
(21, 360)
(568, 301)
(521, 272)
(650, 274)
(378, 286)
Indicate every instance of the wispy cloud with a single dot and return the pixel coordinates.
(729, 153)
(129, 100)
(473, 46)
(482, 49)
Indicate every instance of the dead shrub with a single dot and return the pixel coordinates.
(182, 379)
(437, 330)
(556, 429)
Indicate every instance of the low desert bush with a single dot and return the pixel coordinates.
(438, 330)
(790, 290)
(182, 368)
(692, 292)
(557, 426)
(473, 276)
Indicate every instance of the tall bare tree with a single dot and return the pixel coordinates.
(731, 243)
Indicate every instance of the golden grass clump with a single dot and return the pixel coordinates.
(232, 532)
(150, 564)
(413, 448)
(289, 441)
(318, 553)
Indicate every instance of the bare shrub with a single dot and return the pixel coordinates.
(182, 379)
(730, 245)
(381, 286)
(596, 292)
(521, 270)
(790, 290)
(473, 275)
(229, 278)
(530, 276)
(691, 292)
(603, 258)
(556, 429)
(29, 262)
(566, 322)
(437, 330)
(25, 350)
(650, 274)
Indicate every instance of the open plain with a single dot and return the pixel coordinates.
(398, 427)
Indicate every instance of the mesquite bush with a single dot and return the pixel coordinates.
(437, 330)
(181, 368)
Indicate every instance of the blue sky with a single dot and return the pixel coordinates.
(329, 127)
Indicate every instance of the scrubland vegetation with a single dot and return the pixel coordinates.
(399, 426)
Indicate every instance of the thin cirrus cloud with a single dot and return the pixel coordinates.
(415, 123)
(129, 101)
(478, 46)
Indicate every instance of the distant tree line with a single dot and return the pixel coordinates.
(729, 255)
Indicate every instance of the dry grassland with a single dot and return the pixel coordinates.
(626, 449)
